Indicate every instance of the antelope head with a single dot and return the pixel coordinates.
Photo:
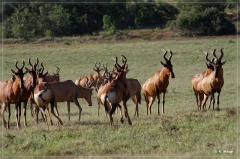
(20, 73)
(97, 68)
(124, 67)
(168, 63)
(32, 71)
(208, 63)
(217, 63)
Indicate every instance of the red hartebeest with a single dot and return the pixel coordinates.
(93, 77)
(158, 84)
(65, 91)
(29, 85)
(112, 93)
(214, 82)
(44, 77)
(10, 93)
(133, 86)
(197, 78)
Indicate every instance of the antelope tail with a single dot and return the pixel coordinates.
(105, 103)
(139, 97)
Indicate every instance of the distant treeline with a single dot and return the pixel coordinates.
(31, 20)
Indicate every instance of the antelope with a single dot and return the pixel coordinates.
(197, 78)
(158, 84)
(214, 82)
(66, 91)
(94, 77)
(46, 77)
(29, 83)
(112, 93)
(10, 92)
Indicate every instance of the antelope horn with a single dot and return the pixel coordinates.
(220, 58)
(23, 64)
(124, 60)
(165, 54)
(42, 67)
(35, 64)
(16, 62)
(207, 57)
(214, 53)
(105, 68)
(170, 55)
(58, 69)
(116, 63)
(30, 63)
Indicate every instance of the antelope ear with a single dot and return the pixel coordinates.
(224, 62)
(162, 63)
(13, 71)
(45, 74)
(26, 68)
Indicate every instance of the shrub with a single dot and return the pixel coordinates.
(108, 24)
(210, 21)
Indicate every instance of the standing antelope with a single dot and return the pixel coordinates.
(10, 93)
(158, 83)
(29, 85)
(112, 93)
(65, 91)
(46, 77)
(94, 77)
(133, 86)
(214, 82)
(197, 78)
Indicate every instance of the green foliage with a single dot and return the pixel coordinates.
(32, 20)
(108, 24)
(203, 20)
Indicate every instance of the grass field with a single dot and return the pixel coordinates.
(181, 132)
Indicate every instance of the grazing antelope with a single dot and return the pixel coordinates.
(158, 84)
(10, 93)
(94, 77)
(214, 82)
(112, 93)
(65, 91)
(197, 78)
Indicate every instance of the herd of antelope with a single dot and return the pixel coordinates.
(112, 87)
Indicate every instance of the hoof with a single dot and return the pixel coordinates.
(121, 120)
(130, 123)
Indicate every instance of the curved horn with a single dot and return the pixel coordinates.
(220, 58)
(23, 64)
(116, 63)
(16, 62)
(105, 68)
(35, 64)
(207, 57)
(214, 53)
(165, 55)
(124, 59)
(170, 55)
(30, 63)
(58, 69)
(42, 67)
